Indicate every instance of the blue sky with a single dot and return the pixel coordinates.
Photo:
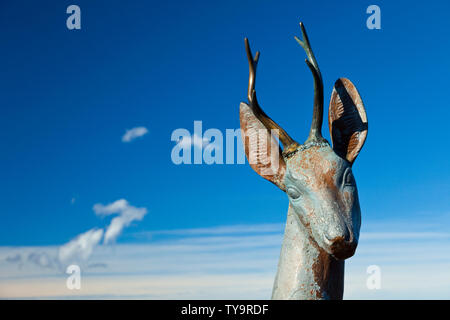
(68, 97)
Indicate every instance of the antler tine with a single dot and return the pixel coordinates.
(288, 143)
(315, 132)
(252, 64)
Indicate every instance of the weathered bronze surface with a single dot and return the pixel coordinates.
(324, 217)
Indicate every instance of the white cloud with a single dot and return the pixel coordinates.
(42, 259)
(134, 133)
(126, 214)
(237, 262)
(116, 206)
(219, 230)
(80, 248)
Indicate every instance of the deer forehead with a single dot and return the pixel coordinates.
(316, 167)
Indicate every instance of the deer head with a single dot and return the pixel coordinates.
(317, 178)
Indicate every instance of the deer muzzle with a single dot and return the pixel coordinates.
(342, 247)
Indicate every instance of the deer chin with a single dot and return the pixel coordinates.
(339, 248)
(342, 250)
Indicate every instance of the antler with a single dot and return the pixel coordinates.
(289, 144)
(252, 64)
(315, 133)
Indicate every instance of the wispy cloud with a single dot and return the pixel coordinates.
(214, 231)
(237, 262)
(126, 214)
(80, 248)
(134, 133)
(42, 259)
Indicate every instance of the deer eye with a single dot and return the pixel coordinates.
(349, 180)
(293, 193)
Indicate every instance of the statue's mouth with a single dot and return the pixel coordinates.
(342, 249)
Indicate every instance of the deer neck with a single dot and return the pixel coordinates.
(306, 271)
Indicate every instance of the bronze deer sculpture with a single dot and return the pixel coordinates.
(324, 216)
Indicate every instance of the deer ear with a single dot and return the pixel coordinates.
(347, 120)
(261, 147)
